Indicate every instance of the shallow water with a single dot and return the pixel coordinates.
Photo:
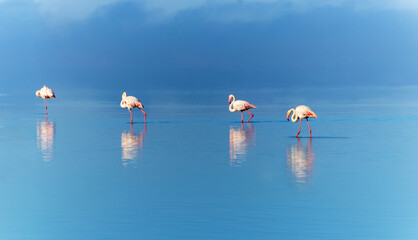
(85, 173)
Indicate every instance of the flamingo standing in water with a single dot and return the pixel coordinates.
(301, 112)
(240, 105)
(45, 93)
(132, 102)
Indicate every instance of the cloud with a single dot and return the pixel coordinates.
(70, 10)
(77, 10)
(399, 5)
(224, 10)
(331, 46)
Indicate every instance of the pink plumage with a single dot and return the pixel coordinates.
(45, 93)
(301, 112)
(240, 105)
(130, 102)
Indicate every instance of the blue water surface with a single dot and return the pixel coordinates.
(194, 172)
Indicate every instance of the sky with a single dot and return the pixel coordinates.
(188, 46)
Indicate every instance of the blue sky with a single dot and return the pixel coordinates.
(207, 45)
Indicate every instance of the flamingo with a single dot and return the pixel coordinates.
(240, 105)
(45, 93)
(132, 102)
(301, 112)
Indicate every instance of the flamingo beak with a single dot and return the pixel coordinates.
(229, 100)
(287, 117)
(314, 115)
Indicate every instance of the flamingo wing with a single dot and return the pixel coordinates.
(249, 106)
(304, 111)
(46, 92)
(241, 105)
(133, 102)
(49, 93)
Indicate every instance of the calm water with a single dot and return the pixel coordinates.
(84, 173)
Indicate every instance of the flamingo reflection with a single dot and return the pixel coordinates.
(239, 141)
(45, 139)
(132, 144)
(300, 161)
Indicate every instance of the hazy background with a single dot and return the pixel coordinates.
(179, 51)
(194, 171)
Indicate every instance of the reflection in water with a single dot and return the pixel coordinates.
(45, 139)
(131, 145)
(239, 141)
(300, 161)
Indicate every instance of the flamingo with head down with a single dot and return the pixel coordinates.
(240, 105)
(301, 112)
(130, 102)
(45, 93)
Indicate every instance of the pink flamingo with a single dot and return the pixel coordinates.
(240, 105)
(45, 93)
(301, 112)
(132, 102)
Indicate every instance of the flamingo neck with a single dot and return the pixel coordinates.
(231, 107)
(294, 118)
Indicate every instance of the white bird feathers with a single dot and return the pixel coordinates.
(130, 102)
(301, 112)
(240, 105)
(45, 93)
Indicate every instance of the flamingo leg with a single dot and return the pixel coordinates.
(310, 132)
(46, 107)
(242, 117)
(300, 125)
(131, 116)
(145, 114)
(252, 115)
